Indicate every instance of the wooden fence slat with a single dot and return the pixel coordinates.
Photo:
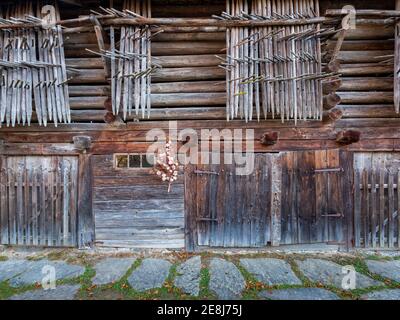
(398, 208)
(276, 193)
(357, 210)
(382, 208)
(11, 207)
(391, 209)
(43, 209)
(366, 209)
(65, 200)
(74, 198)
(35, 204)
(58, 215)
(28, 204)
(4, 227)
(20, 207)
(373, 208)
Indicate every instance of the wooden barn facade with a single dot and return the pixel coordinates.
(313, 84)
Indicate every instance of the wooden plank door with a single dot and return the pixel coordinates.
(38, 201)
(224, 209)
(377, 200)
(317, 193)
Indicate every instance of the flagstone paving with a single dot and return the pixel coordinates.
(59, 293)
(299, 294)
(151, 274)
(11, 268)
(331, 274)
(36, 270)
(226, 281)
(271, 271)
(386, 269)
(383, 295)
(111, 270)
(188, 278)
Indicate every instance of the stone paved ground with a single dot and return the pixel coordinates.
(268, 276)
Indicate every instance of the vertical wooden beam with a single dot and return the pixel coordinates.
(276, 193)
(347, 163)
(85, 212)
(190, 213)
(397, 63)
(4, 228)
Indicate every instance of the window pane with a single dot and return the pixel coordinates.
(148, 161)
(122, 161)
(134, 161)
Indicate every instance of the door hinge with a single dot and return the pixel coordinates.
(333, 215)
(206, 172)
(206, 220)
(329, 170)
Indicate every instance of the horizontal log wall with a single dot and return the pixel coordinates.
(192, 90)
(133, 209)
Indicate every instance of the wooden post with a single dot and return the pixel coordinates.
(101, 36)
(190, 216)
(276, 194)
(85, 210)
(346, 162)
(397, 63)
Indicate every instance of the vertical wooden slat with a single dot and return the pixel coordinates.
(85, 212)
(20, 205)
(58, 204)
(74, 199)
(397, 63)
(11, 204)
(398, 208)
(357, 208)
(391, 209)
(276, 193)
(321, 181)
(347, 188)
(43, 208)
(373, 208)
(27, 202)
(4, 225)
(66, 204)
(190, 209)
(382, 208)
(366, 209)
(35, 204)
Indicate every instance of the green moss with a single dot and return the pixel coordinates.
(3, 258)
(6, 291)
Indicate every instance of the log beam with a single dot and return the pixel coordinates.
(82, 143)
(348, 137)
(269, 138)
(331, 101)
(333, 115)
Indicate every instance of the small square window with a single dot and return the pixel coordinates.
(134, 161)
(148, 161)
(121, 161)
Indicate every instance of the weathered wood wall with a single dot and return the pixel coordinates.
(377, 200)
(133, 209)
(316, 201)
(38, 201)
(224, 209)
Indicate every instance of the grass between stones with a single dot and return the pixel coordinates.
(3, 258)
(121, 290)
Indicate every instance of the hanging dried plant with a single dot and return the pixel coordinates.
(166, 167)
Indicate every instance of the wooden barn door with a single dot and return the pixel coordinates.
(224, 209)
(38, 201)
(317, 197)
